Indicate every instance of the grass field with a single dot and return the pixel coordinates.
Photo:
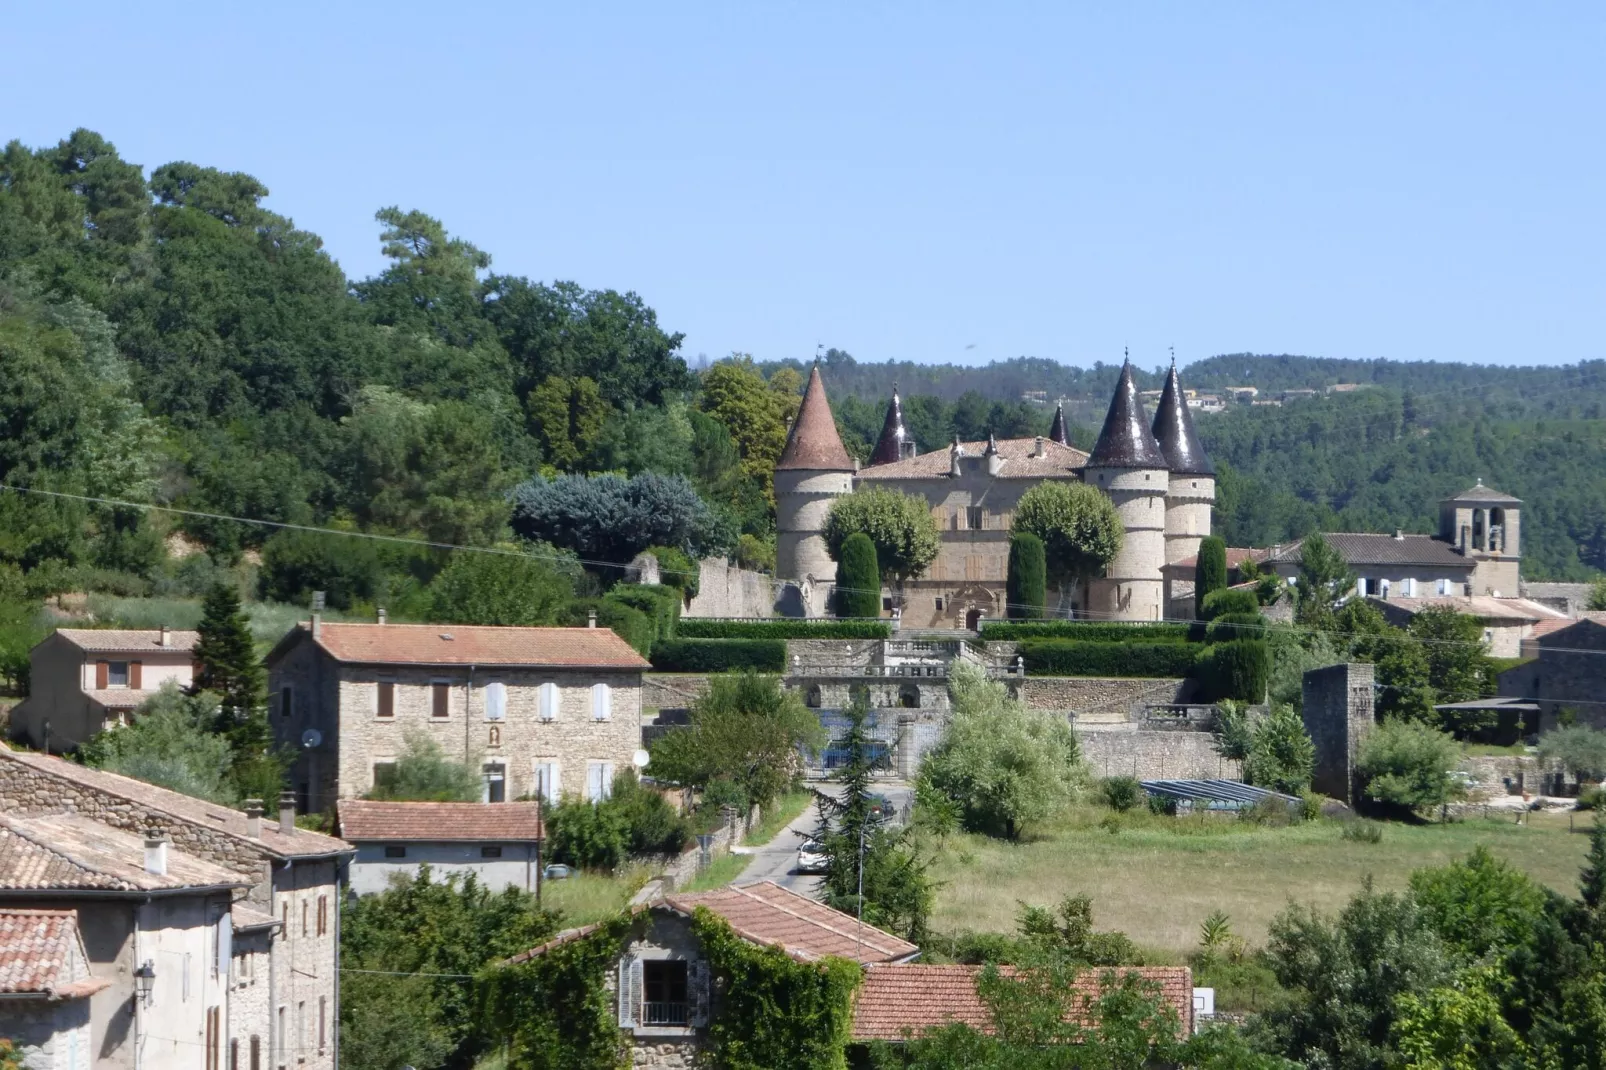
(720, 872)
(781, 813)
(588, 897)
(1156, 878)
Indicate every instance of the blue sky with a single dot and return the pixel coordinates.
(919, 181)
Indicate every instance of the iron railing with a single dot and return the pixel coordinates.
(666, 1013)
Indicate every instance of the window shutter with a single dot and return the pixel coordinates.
(101, 672)
(387, 699)
(495, 701)
(136, 675)
(698, 971)
(601, 702)
(549, 702)
(629, 991)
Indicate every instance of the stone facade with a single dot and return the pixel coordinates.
(1338, 713)
(1568, 673)
(1095, 697)
(1133, 585)
(1189, 502)
(665, 937)
(48, 1034)
(803, 499)
(723, 590)
(341, 702)
(1149, 754)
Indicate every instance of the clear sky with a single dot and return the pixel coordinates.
(913, 181)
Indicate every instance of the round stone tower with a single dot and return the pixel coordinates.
(1126, 463)
(1192, 487)
(813, 471)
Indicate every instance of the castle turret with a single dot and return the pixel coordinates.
(813, 471)
(1192, 486)
(1060, 432)
(895, 442)
(1127, 464)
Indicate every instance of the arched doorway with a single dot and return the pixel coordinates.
(909, 697)
(811, 697)
(973, 619)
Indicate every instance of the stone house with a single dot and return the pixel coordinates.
(548, 711)
(156, 930)
(84, 679)
(1567, 673)
(499, 844)
(662, 989)
(1506, 622)
(284, 908)
(45, 986)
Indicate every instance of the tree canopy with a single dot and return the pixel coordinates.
(1079, 526)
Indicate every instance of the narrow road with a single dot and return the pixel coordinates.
(777, 860)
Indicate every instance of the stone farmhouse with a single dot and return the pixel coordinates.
(1507, 622)
(282, 906)
(1156, 474)
(541, 711)
(499, 844)
(45, 985)
(1567, 673)
(85, 679)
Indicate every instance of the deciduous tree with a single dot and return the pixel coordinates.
(1080, 529)
(900, 525)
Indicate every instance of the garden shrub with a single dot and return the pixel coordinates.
(1210, 571)
(1230, 600)
(1363, 831)
(1121, 792)
(1071, 657)
(660, 604)
(1230, 626)
(783, 628)
(676, 569)
(858, 579)
(1027, 585)
(1235, 670)
(629, 623)
(719, 655)
(1091, 631)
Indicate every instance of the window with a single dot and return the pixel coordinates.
(395, 851)
(234, 1054)
(287, 702)
(306, 913)
(284, 1034)
(323, 918)
(495, 701)
(384, 774)
(495, 782)
(256, 1052)
(549, 701)
(546, 781)
(301, 1030)
(601, 702)
(214, 1037)
(1444, 586)
(284, 923)
(442, 696)
(323, 1022)
(599, 781)
(490, 852)
(664, 992)
(117, 674)
(386, 699)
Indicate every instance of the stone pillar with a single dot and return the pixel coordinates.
(1338, 715)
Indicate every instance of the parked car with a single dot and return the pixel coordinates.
(557, 871)
(811, 857)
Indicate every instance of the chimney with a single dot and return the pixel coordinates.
(287, 812)
(381, 614)
(1039, 451)
(167, 636)
(317, 625)
(1399, 534)
(253, 818)
(955, 452)
(155, 853)
(591, 619)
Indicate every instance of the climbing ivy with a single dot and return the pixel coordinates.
(554, 1010)
(774, 1012)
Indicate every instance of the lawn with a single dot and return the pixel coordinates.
(780, 813)
(1156, 878)
(720, 872)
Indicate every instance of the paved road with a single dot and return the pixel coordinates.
(777, 860)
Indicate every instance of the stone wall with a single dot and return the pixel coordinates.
(672, 691)
(1096, 694)
(1338, 715)
(47, 1033)
(1150, 754)
(682, 869)
(723, 590)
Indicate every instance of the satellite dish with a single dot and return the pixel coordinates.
(311, 738)
(639, 759)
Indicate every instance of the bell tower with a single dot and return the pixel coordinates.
(1486, 526)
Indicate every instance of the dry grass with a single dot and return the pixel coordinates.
(1156, 878)
(588, 897)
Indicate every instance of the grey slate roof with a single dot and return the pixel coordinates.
(1126, 441)
(889, 447)
(1358, 548)
(1059, 432)
(1481, 494)
(1173, 430)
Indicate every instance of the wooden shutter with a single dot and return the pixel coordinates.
(629, 991)
(256, 1052)
(102, 670)
(697, 975)
(136, 675)
(443, 699)
(387, 698)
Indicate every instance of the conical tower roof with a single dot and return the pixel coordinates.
(1173, 430)
(889, 447)
(1060, 432)
(1125, 441)
(813, 442)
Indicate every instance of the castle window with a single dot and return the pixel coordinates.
(975, 517)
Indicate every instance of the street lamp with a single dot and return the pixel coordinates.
(144, 981)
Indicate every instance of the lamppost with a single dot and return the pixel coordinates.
(145, 981)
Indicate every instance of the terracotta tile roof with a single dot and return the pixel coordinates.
(813, 442)
(1545, 627)
(42, 953)
(1236, 556)
(116, 641)
(1558, 639)
(176, 806)
(1481, 493)
(460, 644)
(766, 913)
(243, 917)
(906, 1000)
(72, 852)
(1057, 460)
(370, 821)
(119, 698)
(1365, 548)
(1484, 607)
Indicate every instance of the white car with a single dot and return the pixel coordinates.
(811, 858)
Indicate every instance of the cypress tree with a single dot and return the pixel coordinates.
(227, 658)
(1592, 882)
(858, 578)
(1210, 573)
(1028, 577)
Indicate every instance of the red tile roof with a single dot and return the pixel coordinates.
(371, 821)
(124, 641)
(460, 644)
(1484, 607)
(120, 698)
(896, 1002)
(173, 805)
(813, 442)
(1236, 556)
(1545, 627)
(72, 852)
(766, 913)
(41, 953)
(1057, 462)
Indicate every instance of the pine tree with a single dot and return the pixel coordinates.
(1210, 572)
(858, 579)
(1028, 577)
(1592, 882)
(228, 666)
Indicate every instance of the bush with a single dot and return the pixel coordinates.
(1071, 657)
(1407, 764)
(1281, 756)
(1235, 670)
(1579, 749)
(423, 773)
(1210, 571)
(719, 655)
(858, 578)
(1121, 792)
(1229, 600)
(783, 628)
(1230, 626)
(1363, 831)
(1027, 585)
(296, 563)
(652, 826)
(1592, 798)
(630, 624)
(587, 835)
(660, 604)
(676, 569)
(1092, 631)
(755, 554)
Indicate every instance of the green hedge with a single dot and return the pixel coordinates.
(783, 628)
(1071, 657)
(1231, 626)
(1228, 600)
(660, 604)
(631, 625)
(719, 655)
(1090, 631)
(1235, 670)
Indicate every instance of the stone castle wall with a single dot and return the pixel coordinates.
(1148, 754)
(723, 590)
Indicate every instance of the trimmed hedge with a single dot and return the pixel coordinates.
(1236, 670)
(1071, 657)
(1210, 571)
(1092, 631)
(631, 625)
(719, 655)
(1027, 584)
(660, 604)
(858, 578)
(1228, 600)
(783, 628)
(1231, 626)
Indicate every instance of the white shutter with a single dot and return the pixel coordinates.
(225, 944)
(605, 778)
(697, 976)
(549, 701)
(629, 990)
(601, 702)
(495, 701)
